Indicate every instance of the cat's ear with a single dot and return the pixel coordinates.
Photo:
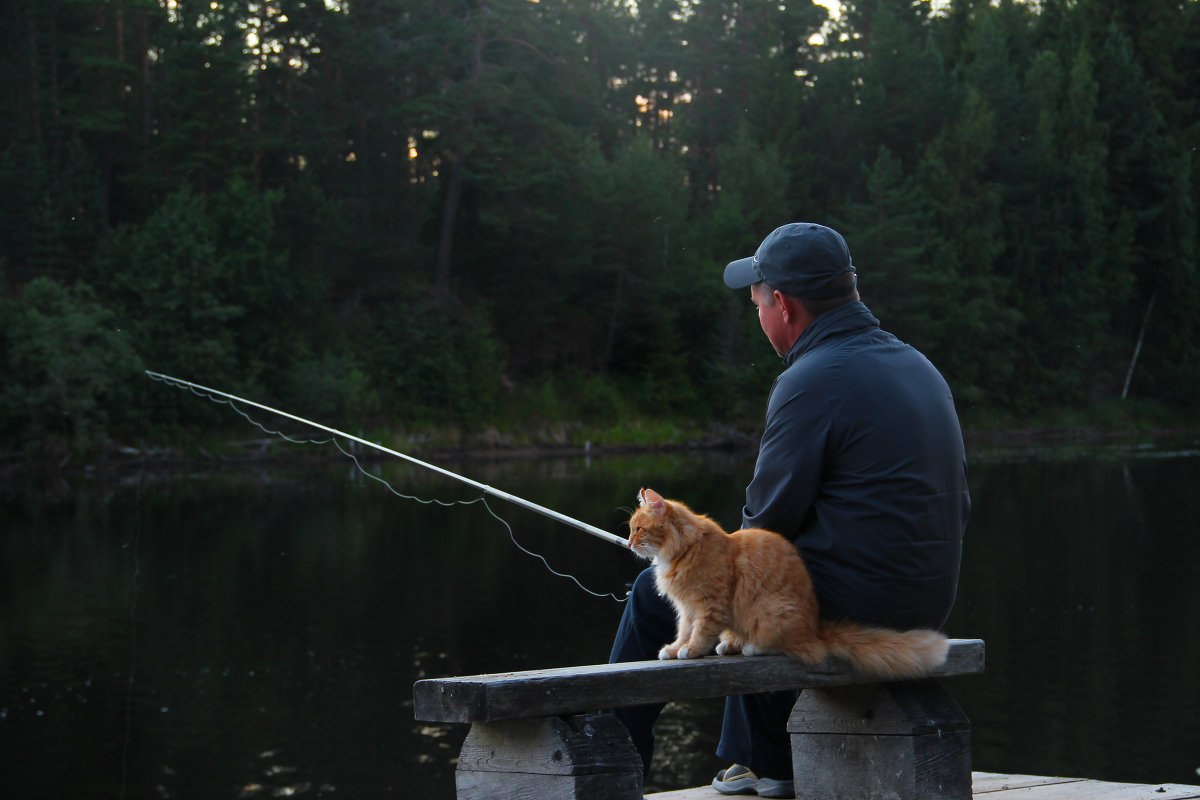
(652, 500)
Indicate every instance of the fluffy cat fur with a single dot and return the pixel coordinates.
(749, 592)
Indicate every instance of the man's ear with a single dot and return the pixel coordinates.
(784, 303)
(794, 312)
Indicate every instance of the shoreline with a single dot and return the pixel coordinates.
(489, 446)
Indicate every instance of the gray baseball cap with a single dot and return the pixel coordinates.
(798, 259)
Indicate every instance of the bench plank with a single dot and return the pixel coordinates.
(566, 690)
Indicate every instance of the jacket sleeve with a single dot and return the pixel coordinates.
(787, 475)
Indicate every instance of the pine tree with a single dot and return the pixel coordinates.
(893, 237)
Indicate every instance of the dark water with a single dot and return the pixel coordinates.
(242, 633)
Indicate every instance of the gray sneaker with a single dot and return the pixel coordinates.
(740, 780)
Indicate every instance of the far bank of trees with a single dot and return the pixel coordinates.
(409, 212)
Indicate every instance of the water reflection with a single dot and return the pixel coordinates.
(255, 633)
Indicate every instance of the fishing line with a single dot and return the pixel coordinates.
(511, 536)
(223, 398)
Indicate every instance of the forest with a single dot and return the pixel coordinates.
(500, 216)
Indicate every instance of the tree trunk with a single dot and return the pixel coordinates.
(445, 255)
(618, 299)
(1138, 349)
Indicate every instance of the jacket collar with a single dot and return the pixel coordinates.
(837, 322)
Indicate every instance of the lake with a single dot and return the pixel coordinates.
(255, 631)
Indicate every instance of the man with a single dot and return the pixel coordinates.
(861, 464)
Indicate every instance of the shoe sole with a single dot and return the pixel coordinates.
(747, 786)
(763, 787)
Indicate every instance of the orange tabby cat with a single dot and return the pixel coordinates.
(751, 590)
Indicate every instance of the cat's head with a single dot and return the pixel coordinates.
(649, 526)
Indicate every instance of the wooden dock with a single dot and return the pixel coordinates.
(990, 786)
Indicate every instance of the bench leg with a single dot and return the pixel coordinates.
(907, 740)
(583, 757)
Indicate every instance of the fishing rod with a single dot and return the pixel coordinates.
(546, 512)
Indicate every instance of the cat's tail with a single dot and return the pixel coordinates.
(883, 652)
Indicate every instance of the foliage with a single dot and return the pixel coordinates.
(433, 363)
(70, 370)
(412, 212)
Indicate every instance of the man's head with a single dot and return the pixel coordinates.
(800, 271)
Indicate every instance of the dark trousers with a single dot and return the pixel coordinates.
(754, 732)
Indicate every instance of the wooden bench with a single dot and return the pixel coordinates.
(535, 734)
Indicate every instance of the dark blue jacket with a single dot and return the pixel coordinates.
(862, 464)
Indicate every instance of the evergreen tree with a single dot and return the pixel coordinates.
(893, 236)
(751, 203)
(1152, 203)
(977, 354)
(198, 96)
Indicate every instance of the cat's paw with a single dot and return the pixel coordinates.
(684, 653)
(751, 650)
(730, 644)
(667, 653)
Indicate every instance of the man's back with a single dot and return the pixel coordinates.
(862, 464)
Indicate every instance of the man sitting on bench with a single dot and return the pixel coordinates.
(861, 464)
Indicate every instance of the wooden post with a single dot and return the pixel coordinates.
(894, 741)
(583, 757)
